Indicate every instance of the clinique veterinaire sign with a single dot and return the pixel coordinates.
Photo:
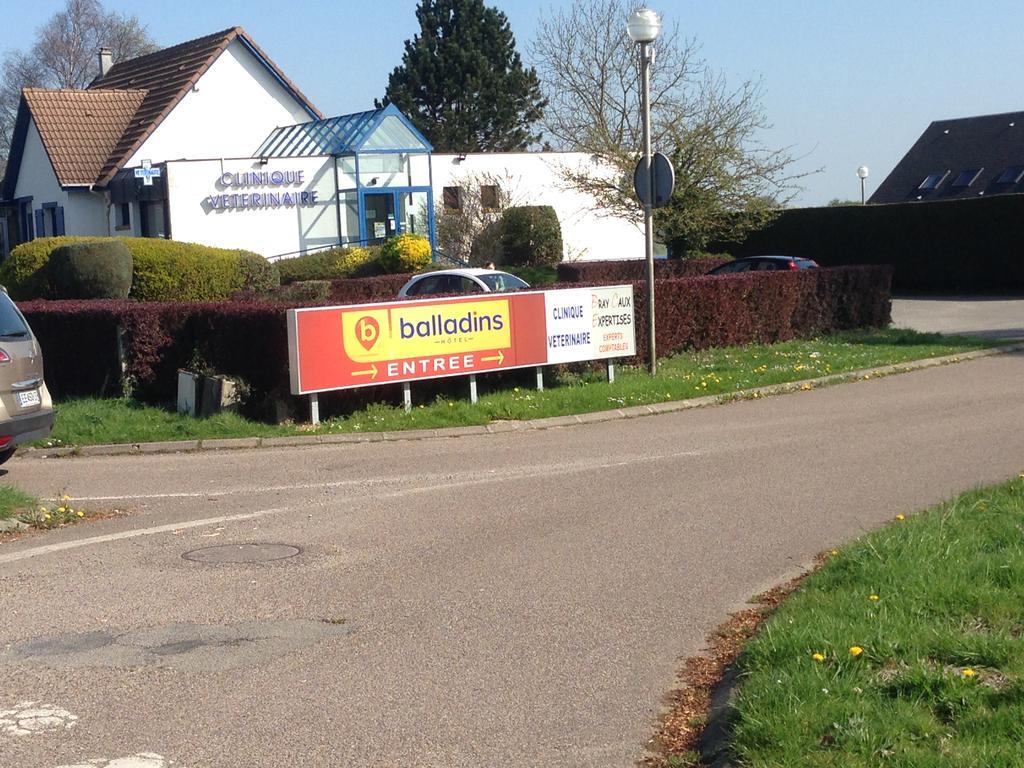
(369, 344)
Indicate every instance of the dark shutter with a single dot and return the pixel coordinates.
(58, 220)
(40, 223)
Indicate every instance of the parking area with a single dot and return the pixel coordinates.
(997, 317)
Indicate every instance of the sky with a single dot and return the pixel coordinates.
(844, 84)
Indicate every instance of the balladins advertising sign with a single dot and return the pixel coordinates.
(364, 345)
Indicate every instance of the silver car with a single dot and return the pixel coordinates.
(467, 280)
(26, 410)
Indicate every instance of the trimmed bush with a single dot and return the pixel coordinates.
(405, 253)
(366, 290)
(303, 292)
(531, 236)
(100, 269)
(258, 275)
(24, 273)
(330, 264)
(165, 270)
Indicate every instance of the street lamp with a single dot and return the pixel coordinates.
(862, 172)
(643, 27)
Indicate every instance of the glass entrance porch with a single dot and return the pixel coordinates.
(382, 172)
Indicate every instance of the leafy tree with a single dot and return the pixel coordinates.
(727, 182)
(64, 55)
(462, 83)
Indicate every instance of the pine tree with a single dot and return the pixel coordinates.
(463, 84)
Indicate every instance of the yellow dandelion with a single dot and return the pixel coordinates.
(80, 513)
(818, 657)
(62, 509)
(834, 552)
(856, 650)
(968, 672)
(874, 598)
(901, 517)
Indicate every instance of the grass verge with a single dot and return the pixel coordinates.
(693, 374)
(904, 649)
(15, 502)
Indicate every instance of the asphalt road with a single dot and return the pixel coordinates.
(520, 599)
(993, 317)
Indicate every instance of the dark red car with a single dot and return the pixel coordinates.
(763, 264)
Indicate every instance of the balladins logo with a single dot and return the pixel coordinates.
(367, 332)
(439, 325)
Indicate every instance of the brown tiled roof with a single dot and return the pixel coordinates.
(166, 76)
(81, 128)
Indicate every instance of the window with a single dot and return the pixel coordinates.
(466, 285)
(1011, 175)
(966, 178)
(489, 199)
(453, 198)
(124, 216)
(932, 180)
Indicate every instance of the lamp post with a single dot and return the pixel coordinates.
(643, 27)
(862, 172)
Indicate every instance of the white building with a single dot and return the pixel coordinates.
(210, 142)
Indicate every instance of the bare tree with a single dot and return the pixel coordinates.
(726, 180)
(64, 55)
(470, 230)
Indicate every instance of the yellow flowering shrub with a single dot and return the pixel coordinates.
(405, 253)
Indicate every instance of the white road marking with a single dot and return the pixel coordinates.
(534, 471)
(28, 718)
(51, 548)
(139, 760)
(449, 484)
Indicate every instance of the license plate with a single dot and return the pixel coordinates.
(25, 399)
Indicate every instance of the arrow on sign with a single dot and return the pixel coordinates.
(372, 372)
(500, 357)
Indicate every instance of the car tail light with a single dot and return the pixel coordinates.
(4, 357)
(4, 440)
(792, 264)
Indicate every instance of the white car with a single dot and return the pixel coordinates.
(462, 281)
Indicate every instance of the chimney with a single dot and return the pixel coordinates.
(106, 61)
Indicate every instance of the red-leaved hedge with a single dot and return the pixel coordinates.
(362, 290)
(624, 271)
(248, 340)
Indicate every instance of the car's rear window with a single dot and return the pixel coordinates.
(501, 281)
(11, 323)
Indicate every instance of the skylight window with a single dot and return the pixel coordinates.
(932, 180)
(1011, 175)
(966, 178)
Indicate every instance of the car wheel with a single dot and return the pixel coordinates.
(7, 453)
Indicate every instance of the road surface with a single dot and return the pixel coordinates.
(519, 599)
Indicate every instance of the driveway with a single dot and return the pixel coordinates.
(991, 317)
(520, 599)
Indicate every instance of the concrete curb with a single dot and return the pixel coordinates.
(499, 427)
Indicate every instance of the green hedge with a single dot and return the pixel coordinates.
(531, 236)
(99, 269)
(164, 270)
(330, 264)
(939, 246)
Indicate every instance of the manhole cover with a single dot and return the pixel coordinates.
(242, 553)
